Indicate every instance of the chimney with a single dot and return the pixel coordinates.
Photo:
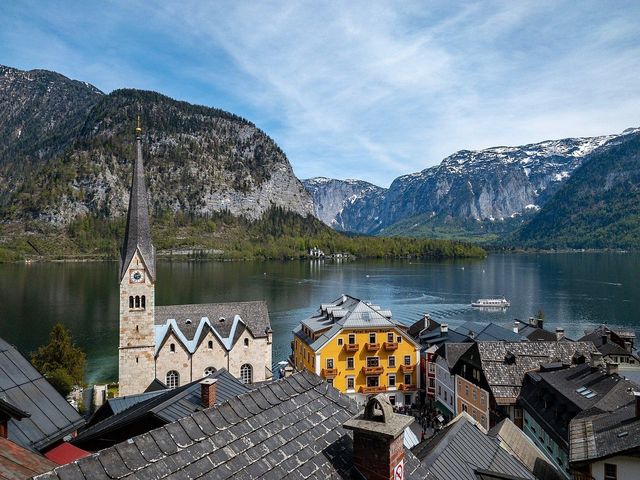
(596, 359)
(628, 346)
(444, 328)
(516, 327)
(539, 322)
(208, 389)
(559, 333)
(612, 368)
(637, 395)
(605, 339)
(378, 440)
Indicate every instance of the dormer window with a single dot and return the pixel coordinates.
(221, 319)
(188, 321)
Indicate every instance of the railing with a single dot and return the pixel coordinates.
(405, 387)
(390, 345)
(351, 347)
(581, 476)
(372, 347)
(367, 390)
(329, 372)
(407, 368)
(372, 370)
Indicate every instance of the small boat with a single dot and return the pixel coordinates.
(491, 303)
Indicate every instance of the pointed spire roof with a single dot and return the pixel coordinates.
(138, 233)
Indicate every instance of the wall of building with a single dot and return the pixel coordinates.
(553, 451)
(205, 357)
(472, 399)
(627, 467)
(257, 354)
(445, 388)
(179, 360)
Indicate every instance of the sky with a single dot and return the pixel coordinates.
(369, 90)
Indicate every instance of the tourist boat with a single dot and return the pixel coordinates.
(491, 303)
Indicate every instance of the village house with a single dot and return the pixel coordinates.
(360, 350)
(616, 346)
(178, 344)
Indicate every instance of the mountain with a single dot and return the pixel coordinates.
(469, 194)
(598, 207)
(346, 205)
(198, 160)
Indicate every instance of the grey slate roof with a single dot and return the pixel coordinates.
(489, 332)
(138, 233)
(452, 352)
(290, 428)
(51, 417)
(505, 379)
(461, 450)
(165, 407)
(344, 312)
(613, 345)
(535, 333)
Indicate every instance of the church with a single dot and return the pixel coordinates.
(177, 344)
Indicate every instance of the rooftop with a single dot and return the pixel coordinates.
(17, 462)
(489, 332)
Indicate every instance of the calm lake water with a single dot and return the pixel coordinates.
(577, 291)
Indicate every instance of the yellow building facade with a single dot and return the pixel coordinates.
(360, 350)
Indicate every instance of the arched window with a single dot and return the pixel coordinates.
(143, 302)
(210, 344)
(131, 302)
(246, 373)
(246, 342)
(172, 347)
(209, 370)
(137, 301)
(173, 379)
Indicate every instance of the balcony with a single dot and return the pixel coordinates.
(372, 347)
(407, 368)
(329, 372)
(351, 347)
(372, 370)
(390, 346)
(367, 390)
(407, 387)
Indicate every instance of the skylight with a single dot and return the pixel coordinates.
(585, 392)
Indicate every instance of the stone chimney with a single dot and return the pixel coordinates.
(628, 346)
(378, 440)
(612, 368)
(596, 359)
(208, 391)
(637, 395)
(516, 327)
(559, 333)
(444, 328)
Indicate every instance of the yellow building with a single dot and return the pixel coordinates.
(360, 349)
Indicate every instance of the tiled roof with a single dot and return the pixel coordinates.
(50, 416)
(137, 235)
(17, 462)
(227, 321)
(535, 333)
(461, 450)
(166, 407)
(505, 379)
(452, 352)
(290, 428)
(614, 344)
(489, 332)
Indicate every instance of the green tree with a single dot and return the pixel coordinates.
(60, 361)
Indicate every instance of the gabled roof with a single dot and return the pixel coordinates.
(344, 312)
(137, 236)
(51, 417)
(614, 345)
(227, 321)
(426, 323)
(534, 333)
(166, 407)
(17, 462)
(451, 352)
(462, 450)
(489, 332)
(288, 428)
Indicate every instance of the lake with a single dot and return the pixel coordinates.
(575, 290)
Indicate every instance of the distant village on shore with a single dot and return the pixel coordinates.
(361, 396)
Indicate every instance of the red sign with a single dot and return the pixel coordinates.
(398, 472)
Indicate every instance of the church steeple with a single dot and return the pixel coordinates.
(138, 233)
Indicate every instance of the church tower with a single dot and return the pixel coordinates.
(136, 363)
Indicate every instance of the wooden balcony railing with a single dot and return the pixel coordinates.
(329, 372)
(389, 346)
(351, 347)
(406, 387)
(407, 368)
(372, 370)
(368, 390)
(372, 347)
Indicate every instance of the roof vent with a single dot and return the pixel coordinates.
(221, 319)
(188, 321)
(509, 358)
(623, 434)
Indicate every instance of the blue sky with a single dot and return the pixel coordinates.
(368, 90)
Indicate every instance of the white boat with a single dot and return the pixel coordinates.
(491, 303)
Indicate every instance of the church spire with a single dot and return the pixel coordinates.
(138, 233)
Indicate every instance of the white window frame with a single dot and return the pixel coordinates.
(329, 360)
(377, 361)
(373, 377)
(352, 336)
(390, 377)
(353, 363)
(340, 342)
(389, 362)
(390, 337)
(353, 379)
(374, 336)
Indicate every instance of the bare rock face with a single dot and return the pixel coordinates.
(198, 160)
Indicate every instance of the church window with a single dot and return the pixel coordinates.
(172, 347)
(246, 342)
(137, 301)
(246, 373)
(208, 371)
(143, 301)
(131, 302)
(173, 379)
(210, 345)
